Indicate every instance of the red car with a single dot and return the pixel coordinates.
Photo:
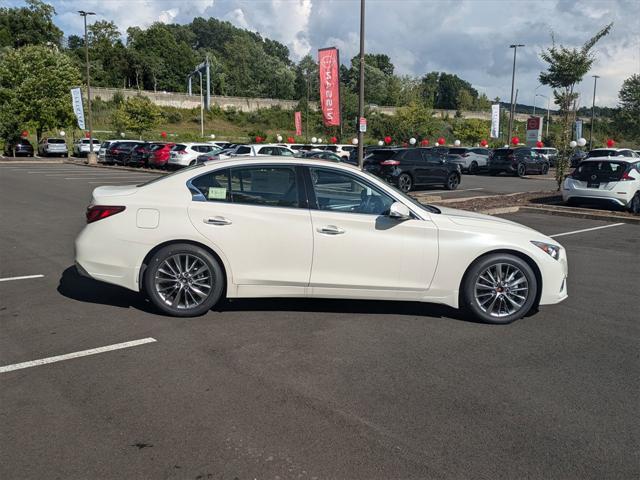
(159, 157)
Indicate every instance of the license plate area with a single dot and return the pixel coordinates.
(593, 184)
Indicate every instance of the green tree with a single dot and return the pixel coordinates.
(627, 118)
(464, 101)
(30, 25)
(567, 67)
(137, 114)
(35, 84)
(471, 131)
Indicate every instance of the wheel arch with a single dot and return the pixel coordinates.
(523, 256)
(149, 255)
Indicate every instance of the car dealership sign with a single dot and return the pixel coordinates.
(329, 67)
(534, 130)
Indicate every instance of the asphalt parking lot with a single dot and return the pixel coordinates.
(307, 388)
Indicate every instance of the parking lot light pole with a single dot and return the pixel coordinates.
(201, 107)
(513, 83)
(361, 96)
(91, 156)
(593, 110)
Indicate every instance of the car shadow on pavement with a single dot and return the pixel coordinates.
(84, 289)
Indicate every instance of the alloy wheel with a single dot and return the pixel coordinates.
(452, 182)
(404, 182)
(184, 281)
(501, 290)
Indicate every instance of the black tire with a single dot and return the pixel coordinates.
(205, 258)
(473, 168)
(545, 169)
(521, 170)
(192, 163)
(453, 180)
(405, 182)
(634, 204)
(470, 304)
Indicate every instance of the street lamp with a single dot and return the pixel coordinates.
(513, 81)
(535, 94)
(201, 107)
(548, 108)
(593, 110)
(361, 95)
(91, 156)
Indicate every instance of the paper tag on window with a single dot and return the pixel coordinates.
(217, 193)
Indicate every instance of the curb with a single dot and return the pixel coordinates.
(500, 211)
(591, 215)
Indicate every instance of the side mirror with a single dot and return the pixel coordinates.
(399, 211)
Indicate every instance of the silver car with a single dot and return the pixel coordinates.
(81, 147)
(53, 146)
(471, 160)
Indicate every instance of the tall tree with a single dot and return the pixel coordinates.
(627, 118)
(567, 67)
(35, 84)
(30, 25)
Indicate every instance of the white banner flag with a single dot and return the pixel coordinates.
(76, 101)
(495, 121)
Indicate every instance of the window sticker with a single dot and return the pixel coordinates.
(217, 193)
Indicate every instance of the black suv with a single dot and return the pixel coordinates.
(518, 161)
(19, 147)
(407, 168)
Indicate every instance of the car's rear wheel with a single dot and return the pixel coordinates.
(545, 169)
(473, 168)
(184, 280)
(499, 288)
(405, 182)
(521, 170)
(453, 180)
(634, 205)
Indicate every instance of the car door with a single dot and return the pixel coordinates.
(436, 168)
(411, 162)
(360, 251)
(257, 217)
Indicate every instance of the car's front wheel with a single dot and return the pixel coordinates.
(545, 169)
(521, 170)
(499, 288)
(473, 168)
(405, 182)
(453, 180)
(184, 280)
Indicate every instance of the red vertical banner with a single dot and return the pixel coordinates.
(297, 117)
(329, 67)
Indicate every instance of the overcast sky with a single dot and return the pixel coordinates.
(467, 37)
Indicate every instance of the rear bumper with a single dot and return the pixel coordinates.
(595, 197)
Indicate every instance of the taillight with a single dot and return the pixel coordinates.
(627, 177)
(98, 212)
(390, 163)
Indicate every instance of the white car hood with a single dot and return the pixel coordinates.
(473, 219)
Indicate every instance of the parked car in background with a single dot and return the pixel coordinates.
(323, 155)
(611, 152)
(81, 147)
(548, 153)
(222, 145)
(102, 153)
(260, 149)
(407, 168)
(140, 154)
(342, 150)
(18, 148)
(118, 152)
(605, 181)
(159, 157)
(576, 157)
(301, 147)
(53, 146)
(272, 226)
(471, 160)
(185, 154)
(518, 161)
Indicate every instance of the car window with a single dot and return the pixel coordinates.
(266, 151)
(285, 152)
(341, 192)
(55, 140)
(269, 186)
(604, 171)
(243, 150)
(413, 155)
(214, 186)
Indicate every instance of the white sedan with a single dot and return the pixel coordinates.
(276, 227)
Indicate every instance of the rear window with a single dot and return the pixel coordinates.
(602, 153)
(55, 140)
(382, 155)
(178, 146)
(604, 171)
(457, 151)
(105, 144)
(243, 150)
(502, 152)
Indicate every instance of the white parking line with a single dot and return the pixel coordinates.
(82, 353)
(586, 230)
(106, 176)
(450, 191)
(24, 277)
(113, 182)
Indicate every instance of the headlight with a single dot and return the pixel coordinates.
(553, 250)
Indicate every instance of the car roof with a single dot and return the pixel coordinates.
(612, 159)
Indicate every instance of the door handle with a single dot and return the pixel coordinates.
(330, 230)
(218, 221)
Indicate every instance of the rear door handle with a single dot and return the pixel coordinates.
(331, 230)
(218, 221)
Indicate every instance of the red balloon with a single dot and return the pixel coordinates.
(163, 134)
(387, 139)
(290, 139)
(259, 139)
(483, 143)
(334, 139)
(610, 143)
(539, 144)
(424, 142)
(515, 140)
(25, 133)
(86, 135)
(441, 141)
(405, 144)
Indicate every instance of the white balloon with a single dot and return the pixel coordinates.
(212, 136)
(320, 140)
(354, 141)
(380, 143)
(412, 141)
(573, 144)
(279, 138)
(62, 133)
(457, 143)
(314, 139)
(582, 142)
(122, 134)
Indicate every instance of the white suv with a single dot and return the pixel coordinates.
(185, 154)
(260, 149)
(609, 181)
(53, 146)
(81, 147)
